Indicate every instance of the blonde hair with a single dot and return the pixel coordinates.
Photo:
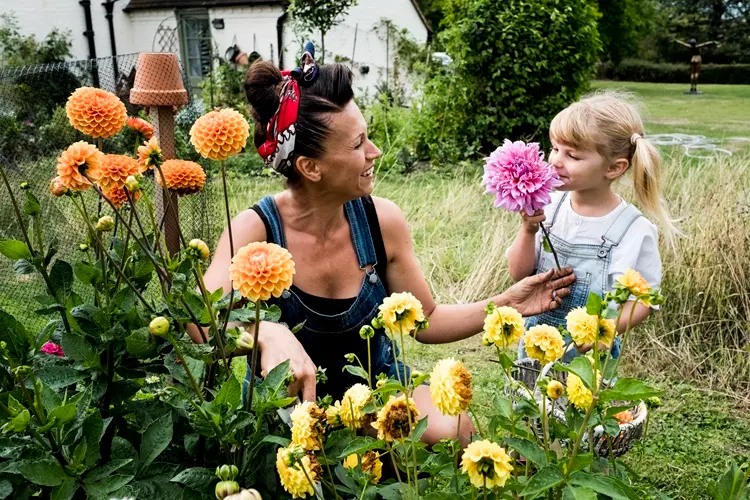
(609, 122)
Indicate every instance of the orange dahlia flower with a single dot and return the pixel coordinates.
(57, 188)
(80, 157)
(141, 126)
(149, 155)
(96, 112)
(116, 169)
(116, 194)
(182, 177)
(219, 134)
(261, 270)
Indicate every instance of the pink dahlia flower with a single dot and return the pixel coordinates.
(52, 348)
(518, 176)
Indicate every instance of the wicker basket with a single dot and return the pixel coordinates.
(527, 370)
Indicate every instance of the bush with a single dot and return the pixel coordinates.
(635, 70)
(516, 65)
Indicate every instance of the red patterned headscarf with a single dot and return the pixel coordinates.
(278, 150)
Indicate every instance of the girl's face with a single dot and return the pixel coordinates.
(579, 169)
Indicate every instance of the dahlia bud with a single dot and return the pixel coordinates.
(226, 488)
(366, 332)
(653, 402)
(24, 185)
(350, 357)
(132, 184)
(83, 247)
(198, 248)
(106, 223)
(377, 322)
(554, 389)
(415, 374)
(245, 340)
(380, 383)
(227, 472)
(159, 326)
(23, 371)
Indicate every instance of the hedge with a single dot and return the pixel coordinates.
(635, 70)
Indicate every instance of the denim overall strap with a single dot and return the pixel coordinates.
(271, 211)
(619, 228)
(361, 235)
(557, 207)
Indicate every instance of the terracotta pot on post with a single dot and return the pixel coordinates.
(158, 85)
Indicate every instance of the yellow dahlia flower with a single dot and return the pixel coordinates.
(261, 270)
(401, 312)
(503, 327)
(583, 327)
(371, 464)
(634, 282)
(354, 400)
(543, 343)
(293, 477)
(307, 425)
(450, 387)
(333, 418)
(149, 155)
(80, 157)
(607, 331)
(555, 389)
(393, 422)
(578, 394)
(219, 134)
(96, 112)
(487, 464)
(182, 176)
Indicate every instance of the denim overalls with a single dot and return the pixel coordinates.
(591, 266)
(327, 338)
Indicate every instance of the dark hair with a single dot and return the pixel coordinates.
(330, 92)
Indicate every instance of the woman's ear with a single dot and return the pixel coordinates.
(616, 169)
(308, 168)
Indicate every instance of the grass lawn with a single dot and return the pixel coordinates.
(720, 113)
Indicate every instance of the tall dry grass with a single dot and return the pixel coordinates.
(702, 333)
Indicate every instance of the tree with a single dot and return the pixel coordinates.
(623, 25)
(320, 15)
(20, 50)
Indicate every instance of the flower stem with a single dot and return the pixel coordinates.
(198, 273)
(549, 242)
(254, 357)
(188, 372)
(231, 255)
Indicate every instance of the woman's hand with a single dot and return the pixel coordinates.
(531, 222)
(539, 293)
(278, 344)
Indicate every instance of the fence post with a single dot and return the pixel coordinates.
(158, 84)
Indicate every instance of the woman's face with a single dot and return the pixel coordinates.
(348, 162)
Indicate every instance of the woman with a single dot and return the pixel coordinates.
(350, 250)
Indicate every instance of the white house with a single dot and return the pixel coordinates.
(196, 29)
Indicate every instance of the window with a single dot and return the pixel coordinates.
(195, 40)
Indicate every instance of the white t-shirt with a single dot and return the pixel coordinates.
(639, 248)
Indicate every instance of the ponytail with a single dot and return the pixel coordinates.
(646, 166)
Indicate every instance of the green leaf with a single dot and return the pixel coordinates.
(503, 405)
(107, 469)
(31, 206)
(5, 489)
(43, 471)
(79, 454)
(20, 421)
(141, 344)
(357, 371)
(583, 460)
(59, 377)
(61, 276)
(90, 319)
(86, 273)
(571, 493)
(64, 414)
(239, 367)
(230, 394)
(629, 389)
(15, 336)
(277, 376)
(65, 491)
(547, 477)
(731, 486)
(14, 249)
(594, 304)
(606, 485)
(419, 430)
(92, 430)
(528, 449)
(198, 478)
(580, 366)
(545, 245)
(107, 485)
(155, 440)
(362, 444)
(270, 438)
(79, 349)
(505, 361)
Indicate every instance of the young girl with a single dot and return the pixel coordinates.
(595, 142)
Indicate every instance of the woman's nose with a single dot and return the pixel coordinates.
(373, 152)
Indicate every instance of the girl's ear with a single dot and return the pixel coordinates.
(616, 169)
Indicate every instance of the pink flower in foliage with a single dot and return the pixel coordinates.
(52, 348)
(518, 176)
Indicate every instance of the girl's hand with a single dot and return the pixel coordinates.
(531, 222)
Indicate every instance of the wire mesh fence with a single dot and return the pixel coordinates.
(34, 130)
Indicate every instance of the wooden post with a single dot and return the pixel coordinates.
(162, 118)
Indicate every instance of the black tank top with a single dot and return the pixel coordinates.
(325, 305)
